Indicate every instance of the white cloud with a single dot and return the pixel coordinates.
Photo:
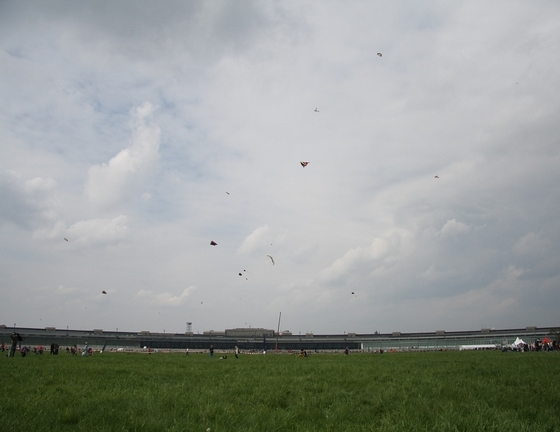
(39, 184)
(110, 183)
(55, 231)
(258, 240)
(68, 291)
(98, 231)
(453, 228)
(165, 299)
(367, 260)
(532, 243)
(434, 275)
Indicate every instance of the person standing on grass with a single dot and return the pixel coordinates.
(16, 338)
(236, 351)
(211, 351)
(346, 351)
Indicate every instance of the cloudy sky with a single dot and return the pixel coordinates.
(141, 131)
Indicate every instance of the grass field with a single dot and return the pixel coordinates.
(432, 391)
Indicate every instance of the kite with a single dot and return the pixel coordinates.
(65, 239)
(103, 292)
(436, 176)
(213, 243)
(304, 164)
(240, 274)
(379, 55)
(316, 110)
(271, 259)
(227, 192)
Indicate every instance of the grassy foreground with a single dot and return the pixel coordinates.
(437, 391)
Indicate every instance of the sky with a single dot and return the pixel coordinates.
(141, 131)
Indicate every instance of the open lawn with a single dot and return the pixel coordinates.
(431, 391)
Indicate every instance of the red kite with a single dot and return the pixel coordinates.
(103, 292)
(213, 243)
(304, 164)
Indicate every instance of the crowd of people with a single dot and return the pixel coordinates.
(538, 345)
(16, 345)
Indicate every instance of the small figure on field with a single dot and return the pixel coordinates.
(16, 338)
(346, 351)
(211, 351)
(303, 353)
(236, 351)
(187, 352)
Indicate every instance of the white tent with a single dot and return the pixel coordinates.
(518, 343)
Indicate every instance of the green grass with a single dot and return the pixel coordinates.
(437, 391)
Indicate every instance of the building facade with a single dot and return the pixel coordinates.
(258, 339)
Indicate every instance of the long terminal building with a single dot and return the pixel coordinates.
(259, 339)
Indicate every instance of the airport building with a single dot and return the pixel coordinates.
(259, 339)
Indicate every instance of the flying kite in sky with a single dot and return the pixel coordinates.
(213, 243)
(65, 239)
(316, 109)
(436, 176)
(304, 164)
(227, 192)
(379, 55)
(240, 274)
(271, 259)
(103, 292)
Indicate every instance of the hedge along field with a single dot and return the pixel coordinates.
(431, 391)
